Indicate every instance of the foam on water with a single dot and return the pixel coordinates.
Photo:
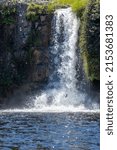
(53, 109)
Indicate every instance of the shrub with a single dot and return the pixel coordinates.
(34, 10)
(90, 40)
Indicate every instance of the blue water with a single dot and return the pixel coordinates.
(49, 131)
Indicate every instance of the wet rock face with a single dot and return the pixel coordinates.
(24, 56)
(23, 27)
(40, 66)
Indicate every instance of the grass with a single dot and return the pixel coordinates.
(76, 5)
(35, 9)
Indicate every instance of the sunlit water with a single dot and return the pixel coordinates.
(49, 131)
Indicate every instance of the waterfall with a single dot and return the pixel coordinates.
(61, 90)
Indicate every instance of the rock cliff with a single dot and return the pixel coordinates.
(24, 43)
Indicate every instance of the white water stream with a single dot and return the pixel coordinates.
(61, 92)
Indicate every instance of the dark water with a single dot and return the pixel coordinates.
(49, 131)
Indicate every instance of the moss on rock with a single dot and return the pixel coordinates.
(34, 10)
(7, 14)
(90, 40)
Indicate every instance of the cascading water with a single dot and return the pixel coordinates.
(61, 90)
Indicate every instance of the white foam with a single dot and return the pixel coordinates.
(52, 109)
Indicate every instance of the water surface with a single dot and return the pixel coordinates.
(49, 131)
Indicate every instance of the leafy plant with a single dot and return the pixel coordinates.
(7, 14)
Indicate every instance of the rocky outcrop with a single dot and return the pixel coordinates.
(24, 46)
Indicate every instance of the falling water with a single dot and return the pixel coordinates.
(61, 90)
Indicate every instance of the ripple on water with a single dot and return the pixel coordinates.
(48, 131)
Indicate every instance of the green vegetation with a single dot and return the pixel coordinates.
(34, 10)
(90, 40)
(7, 14)
(77, 5)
